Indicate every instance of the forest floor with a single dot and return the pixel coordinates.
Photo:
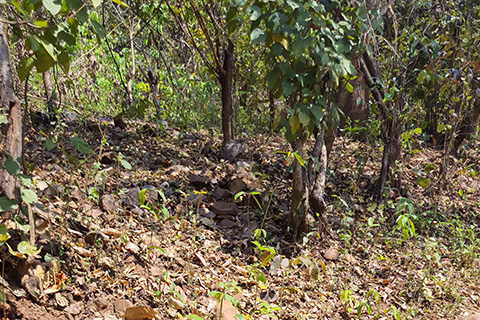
(111, 250)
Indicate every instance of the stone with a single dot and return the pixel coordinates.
(107, 203)
(121, 305)
(130, 199)
(230, 151)
(197, 181)
(222, 194)
(331, 254)
(227, 223)
(475, 316)
(236, 185)
(204, 212)
(42, 185)
(77, 195)
(101, 303)
(224, 208)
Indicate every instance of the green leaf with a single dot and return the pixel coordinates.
(44, 60)
(50, 145)
(304, 119)
(299, 159)
(294, 123)
(255, 12)
(141, 196)
(99, 29)
(96, 3)
(257, 36)
(417, 131)
(348, 87)
(423, 182)
(26, 180)
(53, 6)
(121, 3)
(238, 194)
(193, 317)
(8, 204)
(277, 49)
(29, 196)
(40, 23)
(288, 88)
(12, 166)
(126, 164)
(81, 145)
(26, 248)
(441, 127)
(24, 67)
(421, 77)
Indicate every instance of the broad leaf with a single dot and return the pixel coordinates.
(81, 145)
(29, 196)
(7, 204)
(53, 6)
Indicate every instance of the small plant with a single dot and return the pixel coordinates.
(405, 212)
(223, 295)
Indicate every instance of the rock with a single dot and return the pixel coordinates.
(222, 194)
(101, 303)
(227, 223)
(77, 195)
(42, 185)
(107, 203)
(75, 308)
(204, 212)
(107, 158)
(121, 305)
(331, 254)
(230, 151)
(151, 195)
(473, 317)
(130, 199)
(224, 208)
(140, 313)
(94, 212)
(236, 185)
(133, 248)
(197, 181)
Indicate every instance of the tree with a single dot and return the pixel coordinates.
(310, 51)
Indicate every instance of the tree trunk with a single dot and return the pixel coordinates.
(391, 151)
(226, 77)
(298, 204)
(316, 180)
(271, 108)
(11, 135)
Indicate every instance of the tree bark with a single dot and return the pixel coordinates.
(299, 202)
(226, 77)
(11, 136)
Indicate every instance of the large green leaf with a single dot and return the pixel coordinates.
(99, 29)
(53, 6)
(7, 204)
(288, 88)
(81, 145)
(24, 67)
(29, 196)
(255, 12)
(257, 36)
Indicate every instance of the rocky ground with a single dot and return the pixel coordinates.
(152, 225)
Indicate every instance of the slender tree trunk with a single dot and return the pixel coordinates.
(391, 151)
(299, 202)
(271, 108)
(11, 135)
(317, 178)
(225, 79)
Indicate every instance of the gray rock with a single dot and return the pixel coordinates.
(107, 203)
(230, 151)
(224, 208)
